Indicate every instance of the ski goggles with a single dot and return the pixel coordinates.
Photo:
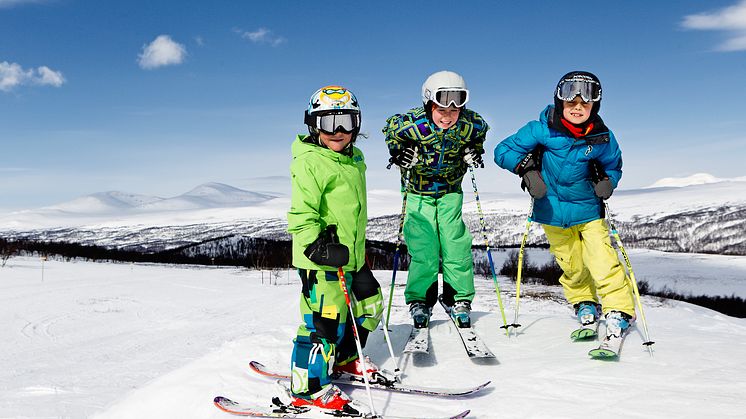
(588, 89)
(330, 123)
(448, 97)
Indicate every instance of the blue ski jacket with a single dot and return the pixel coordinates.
(570, 199)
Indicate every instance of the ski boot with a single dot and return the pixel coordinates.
(587, 313)
(461, 313)
(354, 369)
(420, 313)
(617, 326)
(330, 400)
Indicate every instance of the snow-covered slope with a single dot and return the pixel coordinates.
(147, 341)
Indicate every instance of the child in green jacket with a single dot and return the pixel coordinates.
(327, 220)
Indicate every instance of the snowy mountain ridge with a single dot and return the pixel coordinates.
(706, 217)
(695, 179)
(208, 195)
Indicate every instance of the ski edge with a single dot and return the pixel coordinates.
(477, 350)
(263, 370)
(242, 409)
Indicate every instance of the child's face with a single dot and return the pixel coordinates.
(337, 141)
(577, 111)
(445, 118)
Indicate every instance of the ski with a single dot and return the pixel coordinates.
(473, 344)
(379, 382)
(281, 410)
(418, 342)
(617, 327)
(585, 332)
(609, 348)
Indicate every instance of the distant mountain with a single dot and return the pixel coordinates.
(708, 217)
(208, 195)
(695, 179)
(105, 202)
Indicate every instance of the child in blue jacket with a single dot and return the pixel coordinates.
(570, 162)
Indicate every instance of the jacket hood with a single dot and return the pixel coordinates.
(549, 117)
(301, 146)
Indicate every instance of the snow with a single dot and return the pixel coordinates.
(111, 341)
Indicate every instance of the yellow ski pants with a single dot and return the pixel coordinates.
(591, 266)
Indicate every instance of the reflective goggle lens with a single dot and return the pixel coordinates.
(589, 90)
(446, 98)
(332, 123)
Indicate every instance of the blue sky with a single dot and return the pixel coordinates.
(156, 97)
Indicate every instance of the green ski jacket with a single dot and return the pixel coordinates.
(327, 188)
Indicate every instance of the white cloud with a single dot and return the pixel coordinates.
(49, 76)
(262, 36)
(161, 52)
(13, 75)
(731, 19)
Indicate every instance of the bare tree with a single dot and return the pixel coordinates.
(7, 249)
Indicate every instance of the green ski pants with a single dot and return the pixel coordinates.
(434, 230)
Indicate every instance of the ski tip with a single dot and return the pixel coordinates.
(223, 403)
(462, 415)
(583, 334)
(256, 365)
(603, 354)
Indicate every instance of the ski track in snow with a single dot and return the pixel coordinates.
(155, 341)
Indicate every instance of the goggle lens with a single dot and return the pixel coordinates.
(446, 98)
(589, 90)
(332, 123)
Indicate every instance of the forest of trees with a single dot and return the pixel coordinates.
(259, 253)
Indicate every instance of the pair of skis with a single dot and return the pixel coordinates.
(419, 339)
(378, 381)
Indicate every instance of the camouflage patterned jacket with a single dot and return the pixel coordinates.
(441, 167)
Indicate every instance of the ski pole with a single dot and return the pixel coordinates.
(648, 343)
(399, 239)
(520, 266)
(489, 254)
(343, 284)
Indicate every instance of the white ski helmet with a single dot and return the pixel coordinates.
(445, 88)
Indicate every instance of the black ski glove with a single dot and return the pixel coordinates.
(327, 250)
(473, 157)
(601, 183)
(529, 169)
(405, 157)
